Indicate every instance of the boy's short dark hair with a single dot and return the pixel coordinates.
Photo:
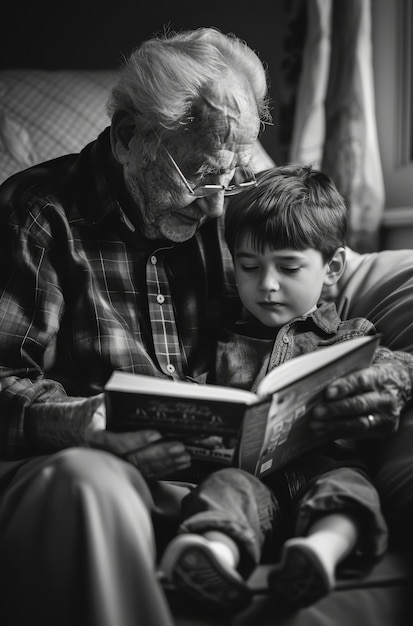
(293, 206)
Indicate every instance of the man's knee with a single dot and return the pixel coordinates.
(59, 482)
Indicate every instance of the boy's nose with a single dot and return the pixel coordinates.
(270, 282)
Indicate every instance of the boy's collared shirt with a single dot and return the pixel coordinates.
(244, 355)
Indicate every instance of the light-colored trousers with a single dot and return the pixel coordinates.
(77, 546)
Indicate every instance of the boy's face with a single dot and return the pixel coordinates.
(277, 286)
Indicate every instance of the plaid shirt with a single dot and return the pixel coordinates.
(82, 292)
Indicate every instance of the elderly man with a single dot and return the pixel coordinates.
(93, 280)
(111, 259)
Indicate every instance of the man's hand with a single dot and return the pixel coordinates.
(145, 449)
(366, 403)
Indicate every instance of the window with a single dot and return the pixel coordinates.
(392, 31)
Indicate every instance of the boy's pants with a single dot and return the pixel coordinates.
(259, 517)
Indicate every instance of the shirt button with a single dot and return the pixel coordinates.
(160, 298)
(170, 368)
(286, 339)
(154, 260)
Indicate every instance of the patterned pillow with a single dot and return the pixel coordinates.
(45, 114)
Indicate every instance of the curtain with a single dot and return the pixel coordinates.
(334, 126)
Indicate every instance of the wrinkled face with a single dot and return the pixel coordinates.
(276, 286)
(217, 138)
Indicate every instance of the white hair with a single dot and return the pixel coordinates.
(163, 77)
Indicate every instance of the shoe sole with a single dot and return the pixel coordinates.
(201, 575)
(300, 579)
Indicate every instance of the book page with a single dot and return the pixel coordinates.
(138, 383)
(302, 365)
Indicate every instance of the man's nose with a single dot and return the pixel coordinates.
(213, 205)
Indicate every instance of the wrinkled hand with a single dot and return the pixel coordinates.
(366, 403)
(145, 449)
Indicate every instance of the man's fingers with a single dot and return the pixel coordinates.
(358, 405)
(380, 376)
(145, 449)
(357, 426)
(121, 443)
(160, 459)
(355, 383)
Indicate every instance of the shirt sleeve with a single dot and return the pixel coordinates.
(31, 309)
(404, 374)
(38, 417)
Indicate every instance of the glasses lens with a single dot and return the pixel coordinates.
(206, 190)
(235, 189)
(243, 179)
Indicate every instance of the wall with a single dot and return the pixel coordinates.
(91, 34)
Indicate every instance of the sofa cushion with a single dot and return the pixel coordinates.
(379, 286)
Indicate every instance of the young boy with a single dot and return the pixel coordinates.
(287, 240)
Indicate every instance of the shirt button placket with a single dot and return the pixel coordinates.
(160, 300)
(287, 346)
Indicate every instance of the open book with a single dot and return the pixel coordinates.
(258, 432)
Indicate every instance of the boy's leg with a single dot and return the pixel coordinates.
(332, 538)
(226, 522)
(308, 564)
(237, 504)
(339, 513)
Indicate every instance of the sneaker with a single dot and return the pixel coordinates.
(191, 564)
(300, 579)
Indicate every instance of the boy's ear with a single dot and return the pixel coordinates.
(122, 130)
(336, 267)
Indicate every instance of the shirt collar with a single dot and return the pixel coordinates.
(111, 196)
(96, 167)
(325, 317)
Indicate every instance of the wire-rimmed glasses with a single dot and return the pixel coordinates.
(246, 176)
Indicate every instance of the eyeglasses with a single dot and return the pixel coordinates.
(247, 178)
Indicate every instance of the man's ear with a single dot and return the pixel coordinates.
(121, 132)
(336, 266)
